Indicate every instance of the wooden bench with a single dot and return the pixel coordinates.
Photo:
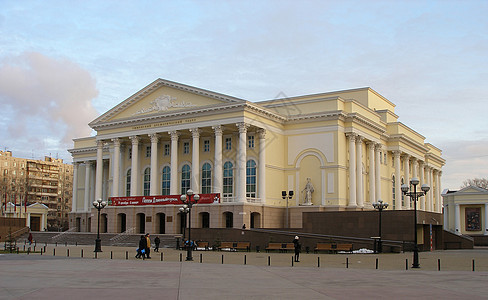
(273, 246)
(287, 246)
(224, 245)
(344, 247)
(282, 247)
(243, 246)
(201, 245)
(324, 247)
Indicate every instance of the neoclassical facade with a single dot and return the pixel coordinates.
(239, 155)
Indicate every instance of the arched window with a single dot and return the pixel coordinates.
(185, 178)
(206, 179)
(251, 179)
(393, 190)
(166, 181)
(228, 180)
(127, 184)
(147, 181)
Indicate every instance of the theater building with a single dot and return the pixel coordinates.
(336, 151)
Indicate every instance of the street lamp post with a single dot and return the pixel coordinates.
(99, 205)
(380, 206)
(188, 200)
(287, 197)
(414, 196)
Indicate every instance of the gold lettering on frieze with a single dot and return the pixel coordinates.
(160, 124)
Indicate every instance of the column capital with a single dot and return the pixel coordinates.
(261, 133)
(414, 159)
(195, 132)
(359, 139)
(116, 142)
(100, 143)
(406, 157)
(351, 136)
(370, 144)
(218, 129)
(174, 135)
(242, 127)
(421, 163)
(135, 139)
(378, 146)
(397, 153)
(89, 162)
(154, 137)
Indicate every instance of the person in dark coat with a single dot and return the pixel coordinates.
(298, 248)
(142, 246)
(156, 243)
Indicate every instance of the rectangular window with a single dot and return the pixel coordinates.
(228, 143)
(250, 141)
(206, 146)
(166, 150)
(148, 151)
(186, 147)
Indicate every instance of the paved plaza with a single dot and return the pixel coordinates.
(263, 276)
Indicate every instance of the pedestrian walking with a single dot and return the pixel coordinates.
(148, 246)
(142, 248)
(156, 244)
(298, 248)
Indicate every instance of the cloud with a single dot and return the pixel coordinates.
(45, 99)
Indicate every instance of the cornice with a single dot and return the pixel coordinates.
(330, 115)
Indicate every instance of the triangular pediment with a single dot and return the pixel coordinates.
(164, 97)
(472, 189)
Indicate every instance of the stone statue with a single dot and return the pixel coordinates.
(308, 190)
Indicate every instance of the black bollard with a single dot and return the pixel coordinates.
(222, 259)
(41, 250)
(292, 261)
(161, 256)
(126, 255)
(438, 264)
(406, 264)
(181, 257)
(377, 264)
(67, 252)
(111, 255)
(269, 261)
(347, 262)
(473, 265)
(54, 252)
(318, 261)
(81, 253)
(24, 247)
(201, 257)
(245, 259)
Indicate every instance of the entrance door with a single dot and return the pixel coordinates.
(78, 224)
(35, 223)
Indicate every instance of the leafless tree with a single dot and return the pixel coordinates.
(479, 182)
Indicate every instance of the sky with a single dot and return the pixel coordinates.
(63, 63)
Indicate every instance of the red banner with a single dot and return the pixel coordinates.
(160, 200)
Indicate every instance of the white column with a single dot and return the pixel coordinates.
(457, 218)
(359, 172)
(134, 174)
(428, 200)
(485, 231)
(398, 191)
(174, 163)
(422, 181)
(241, 162)
(262, 165)
(446, 217)
(154, 187)
(377, 171)
(218, 160)
(27, 221)
(407, 179)
(87, 186)
(352, 170)
(415, 165)
(99, 171)
(116, 160)
(372, 193)
(195, 160)
(439, 192)
(75, 189)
